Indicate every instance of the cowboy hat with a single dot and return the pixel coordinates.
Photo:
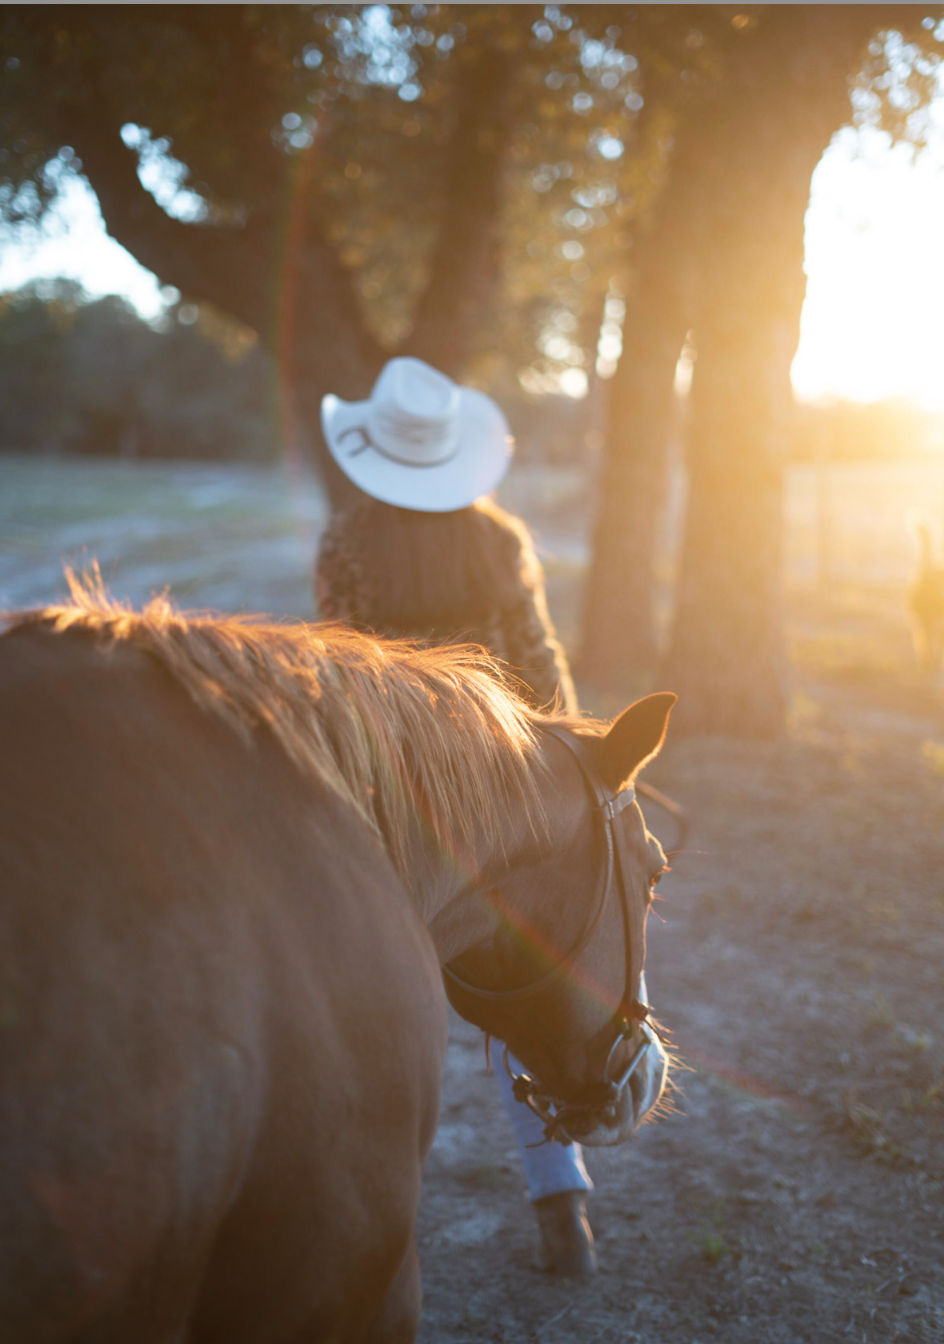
(420, 441)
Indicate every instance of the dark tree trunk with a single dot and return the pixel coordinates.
(464, 267)
(749, 160)
(726, 659)
(617, 630)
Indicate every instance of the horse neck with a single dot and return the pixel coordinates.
(451, 892)
(447, 888)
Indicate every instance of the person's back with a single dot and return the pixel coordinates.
(467, 575)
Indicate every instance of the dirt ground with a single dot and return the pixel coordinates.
(797, 1194)
(798, 955)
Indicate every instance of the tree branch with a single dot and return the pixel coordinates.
(200, 260)
(464, 269)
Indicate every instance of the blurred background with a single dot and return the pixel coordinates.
(694, 251)
(697, 254)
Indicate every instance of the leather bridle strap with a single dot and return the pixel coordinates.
(609, 806)
(631, 1016)
(560, 968)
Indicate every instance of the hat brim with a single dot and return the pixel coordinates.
(482, 454)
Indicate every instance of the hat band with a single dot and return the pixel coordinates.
(368, 442)
(399, 432)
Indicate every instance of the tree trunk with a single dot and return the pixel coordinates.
(464, 267)
(275, 274)
(749, 160)
(617, 630)
(726, 658)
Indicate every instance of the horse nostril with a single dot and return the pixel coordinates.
(580, 1127)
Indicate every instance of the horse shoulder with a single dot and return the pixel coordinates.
(222, 1012)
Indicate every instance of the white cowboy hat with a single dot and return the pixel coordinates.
(421, 441)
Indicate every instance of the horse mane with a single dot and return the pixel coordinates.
(400, 731)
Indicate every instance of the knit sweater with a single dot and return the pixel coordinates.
(516, 630)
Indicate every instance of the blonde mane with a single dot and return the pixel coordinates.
(399, 731)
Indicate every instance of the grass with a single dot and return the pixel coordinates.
(870, 1131)
(226, 537)
(712, 1244)
(231, 535)
(711, 1237)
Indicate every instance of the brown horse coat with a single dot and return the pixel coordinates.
(223, 1162)
(233, 858)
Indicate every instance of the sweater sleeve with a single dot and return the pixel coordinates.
(333, 581)
(535, 655)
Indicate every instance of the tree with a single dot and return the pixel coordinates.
(728, 229)
(683, 51)
(92, 377)
(747, 162)
(339, 170)
(261, 106)
(351, 181)
(617, 633)
(365, 180)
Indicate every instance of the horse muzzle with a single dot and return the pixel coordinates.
(630, 1096)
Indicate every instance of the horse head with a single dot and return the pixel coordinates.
(559, 975)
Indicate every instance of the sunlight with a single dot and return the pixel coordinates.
(872, 323)
(73, 244)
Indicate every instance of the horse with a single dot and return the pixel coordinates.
(238, 860)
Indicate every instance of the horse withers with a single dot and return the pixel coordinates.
(234, 859)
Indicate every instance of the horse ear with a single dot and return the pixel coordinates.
(634, 738)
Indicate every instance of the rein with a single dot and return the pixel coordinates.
(631, 1013)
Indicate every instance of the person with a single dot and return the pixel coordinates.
(428, 555)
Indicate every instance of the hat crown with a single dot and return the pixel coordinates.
(420, 441)
(413, 412)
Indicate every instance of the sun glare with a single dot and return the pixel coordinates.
(873, 321)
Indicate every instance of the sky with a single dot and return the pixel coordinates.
(79, 248)
(873, 321)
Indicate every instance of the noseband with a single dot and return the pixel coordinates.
(631, 1014)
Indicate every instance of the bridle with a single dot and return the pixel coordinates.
(632, 1016)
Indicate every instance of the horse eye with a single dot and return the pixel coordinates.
(657, 877)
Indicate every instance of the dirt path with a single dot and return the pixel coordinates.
(798, 1194)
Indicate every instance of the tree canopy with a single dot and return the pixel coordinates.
(92, 377)
(500, 189)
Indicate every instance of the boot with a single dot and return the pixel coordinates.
(566, 1242)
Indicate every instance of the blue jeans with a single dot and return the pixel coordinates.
(549, 1168)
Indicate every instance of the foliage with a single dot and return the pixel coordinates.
(94, 378)
(83, 376)
(340, 123)
(346, 117)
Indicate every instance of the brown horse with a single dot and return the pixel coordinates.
(234, 858)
